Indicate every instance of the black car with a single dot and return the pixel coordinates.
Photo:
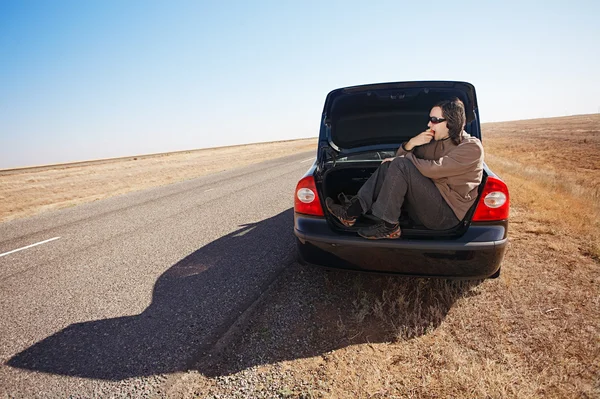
(360, 127)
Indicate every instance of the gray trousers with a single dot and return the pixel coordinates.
(398, 181)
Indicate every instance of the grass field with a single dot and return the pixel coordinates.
(26, 192)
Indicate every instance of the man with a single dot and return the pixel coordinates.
(436, 172)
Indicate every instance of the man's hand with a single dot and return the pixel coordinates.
(388, 160)
(420, 139)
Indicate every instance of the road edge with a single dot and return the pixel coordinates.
(175, 386)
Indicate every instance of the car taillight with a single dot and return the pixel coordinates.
(494, 202)
(306, 199)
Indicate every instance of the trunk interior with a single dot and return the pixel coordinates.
(348, 179)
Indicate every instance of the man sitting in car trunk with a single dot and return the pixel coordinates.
(436, 173)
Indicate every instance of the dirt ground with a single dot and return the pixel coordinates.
(26, 192)
(534, 332)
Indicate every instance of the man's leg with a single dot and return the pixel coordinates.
(426, 204)
(369, 191)
(363, 200)
(403, 181)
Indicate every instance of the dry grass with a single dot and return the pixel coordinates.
(28, 192)
(532, 333)
(552, 167)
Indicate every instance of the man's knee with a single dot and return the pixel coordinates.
(401, 163)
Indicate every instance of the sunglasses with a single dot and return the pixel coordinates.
(436, 120)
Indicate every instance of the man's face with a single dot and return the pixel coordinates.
(441, 128)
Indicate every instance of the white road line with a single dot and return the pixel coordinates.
(243, 232)
(29, 246)
(306, 160)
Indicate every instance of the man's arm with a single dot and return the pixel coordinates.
(404, 149)
(420, 139)
(462, 159)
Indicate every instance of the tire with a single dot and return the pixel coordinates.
(495, 275)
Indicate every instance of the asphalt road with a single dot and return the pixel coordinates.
(135, 288)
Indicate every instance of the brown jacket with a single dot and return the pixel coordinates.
(456, 170)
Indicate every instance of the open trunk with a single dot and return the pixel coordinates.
(345, 179)
(363, 125)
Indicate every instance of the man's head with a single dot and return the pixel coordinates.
(447, 119)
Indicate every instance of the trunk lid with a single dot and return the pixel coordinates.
(380, 117)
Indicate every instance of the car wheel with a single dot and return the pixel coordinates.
(496, 275)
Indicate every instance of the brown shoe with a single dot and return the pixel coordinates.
(339, 212)
(379, 231)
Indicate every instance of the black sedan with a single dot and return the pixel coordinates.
(360, 127)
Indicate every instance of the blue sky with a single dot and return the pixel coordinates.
(100, 78)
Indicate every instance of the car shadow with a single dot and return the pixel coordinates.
(308, 312)
(193, 303)
(313, 311)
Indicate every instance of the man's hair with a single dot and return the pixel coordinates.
(454, 112)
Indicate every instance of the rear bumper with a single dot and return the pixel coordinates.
(477, 254)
